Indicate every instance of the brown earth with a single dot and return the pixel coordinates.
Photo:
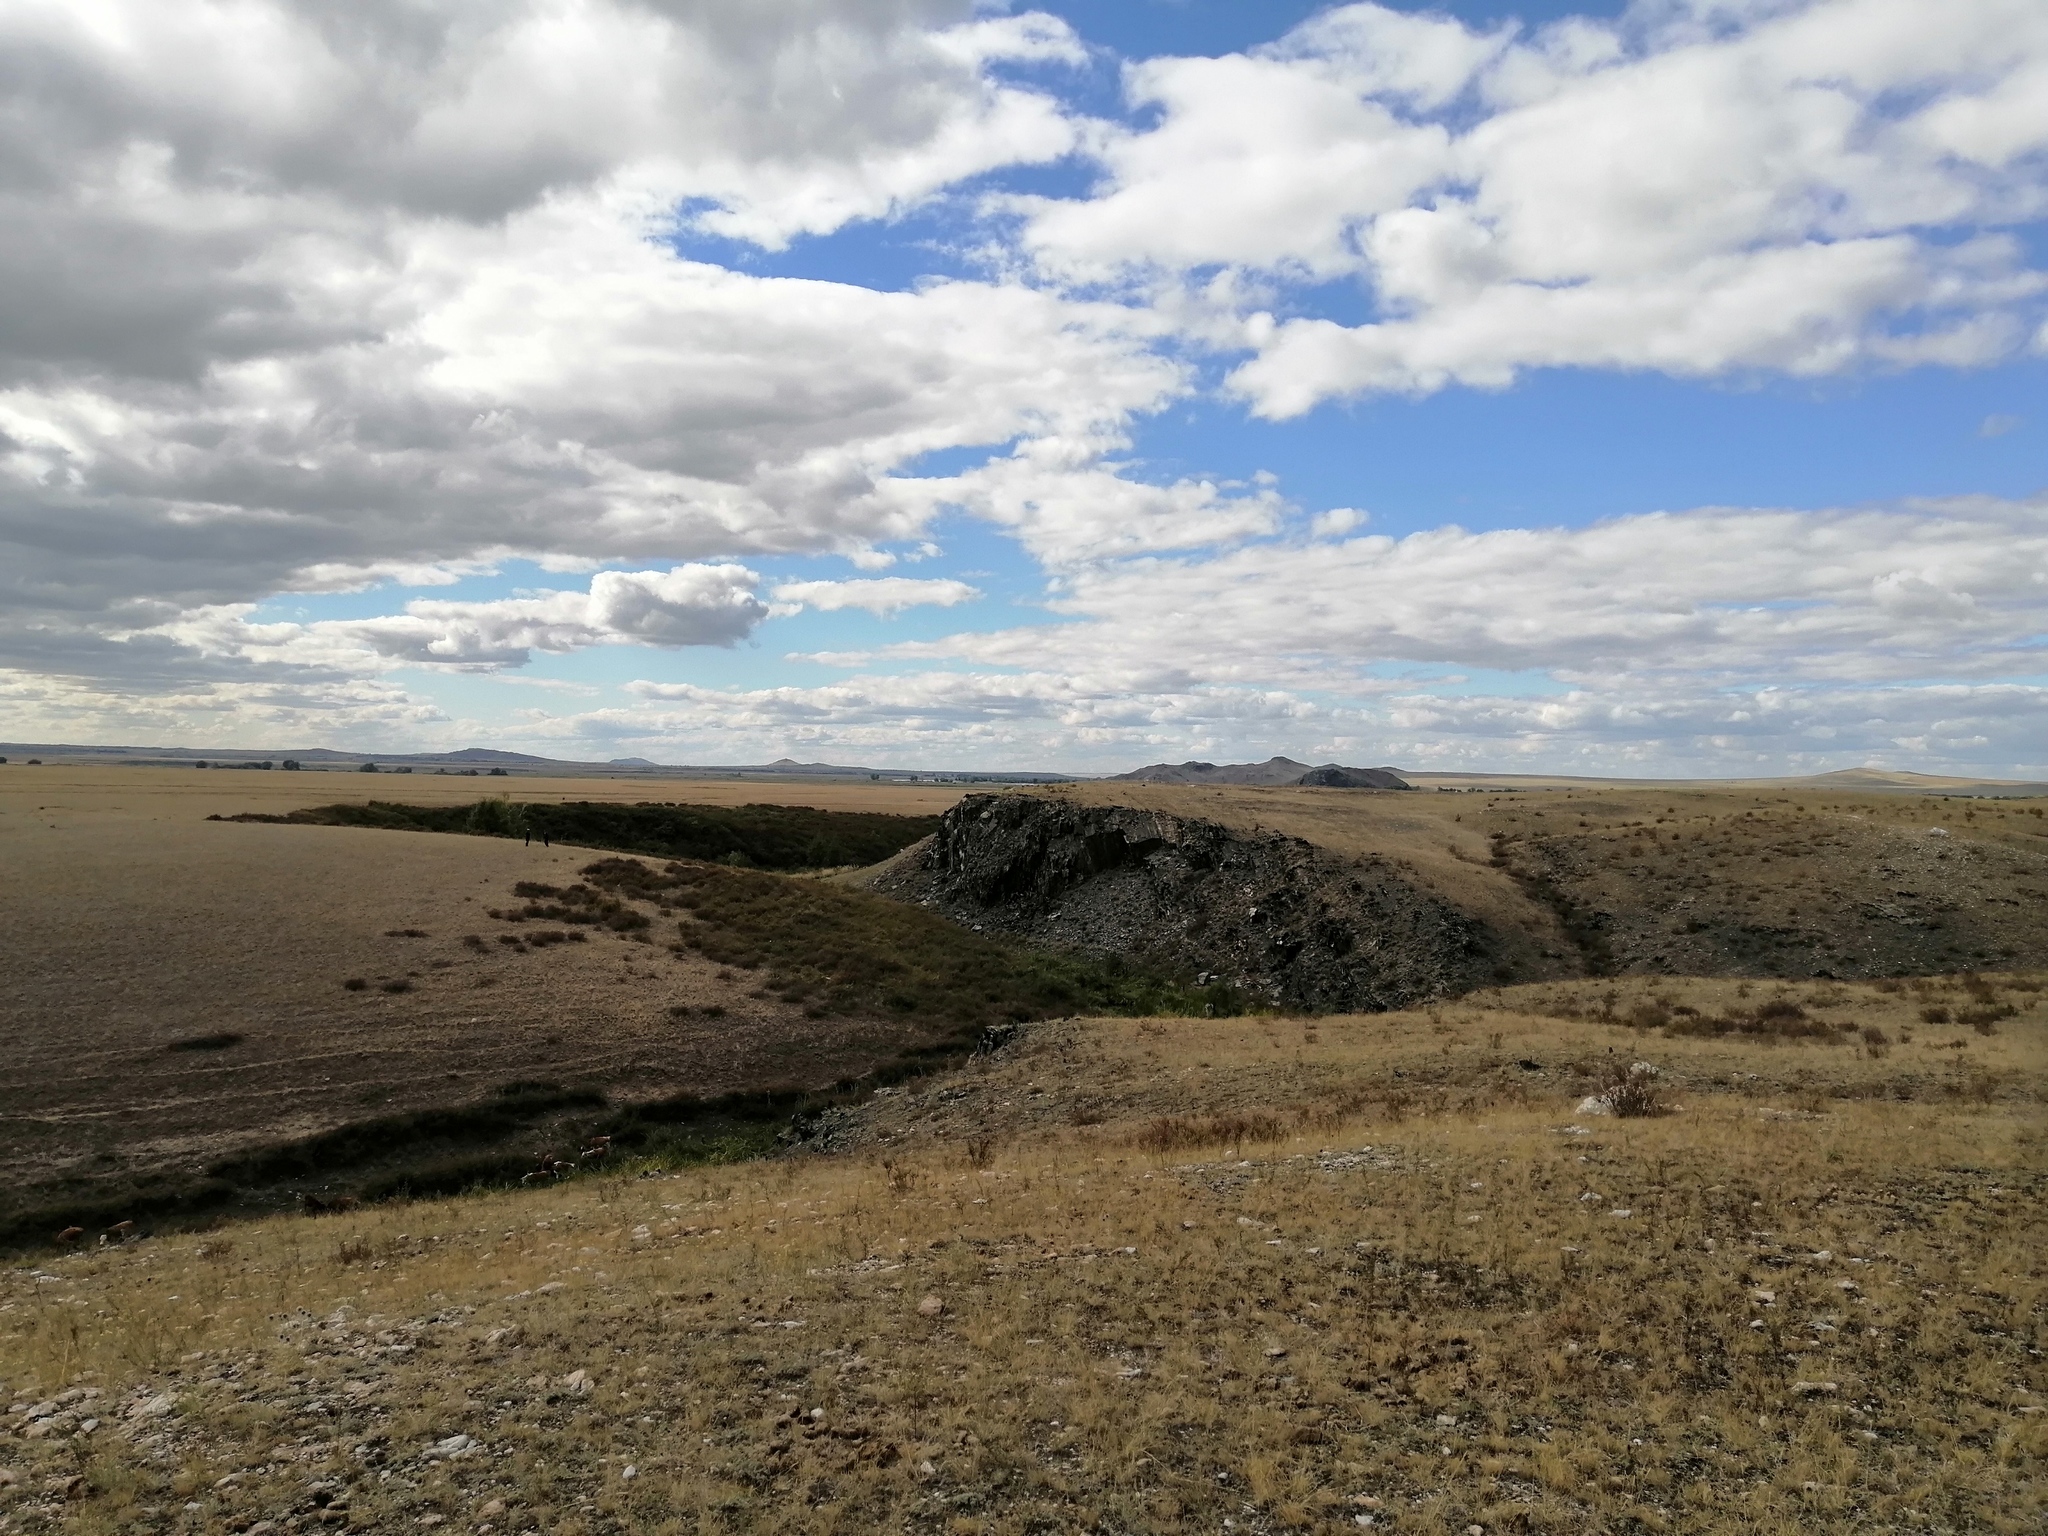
(132, 924)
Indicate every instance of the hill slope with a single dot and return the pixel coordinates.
(1138, 1276)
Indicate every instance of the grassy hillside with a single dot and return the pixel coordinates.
(1150, 1274)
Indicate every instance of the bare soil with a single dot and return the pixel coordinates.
(134, 926)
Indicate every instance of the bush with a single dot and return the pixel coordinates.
(1634, 1092)
(1778, 1018)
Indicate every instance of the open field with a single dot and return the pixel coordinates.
(133, 925)
(1136, 1275)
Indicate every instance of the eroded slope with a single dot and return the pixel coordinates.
(1279, 919)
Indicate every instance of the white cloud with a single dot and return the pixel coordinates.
(299, 304)
(1114, 721)
(1696, 189)
(885, 596)
(1667, 638)
(1952, 589)
(1068, 504)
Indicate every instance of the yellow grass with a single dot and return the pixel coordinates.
(1366, 1276)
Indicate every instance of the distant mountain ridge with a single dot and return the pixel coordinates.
(1273, 771)
(512, 764)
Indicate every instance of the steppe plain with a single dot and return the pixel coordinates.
(1132, 1274)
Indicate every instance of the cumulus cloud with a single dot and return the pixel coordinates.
(884, 596)
(688, 605)
(1693, 188)
(297, 303)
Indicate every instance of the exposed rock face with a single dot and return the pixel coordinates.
(1280, 919)
(1331, 776)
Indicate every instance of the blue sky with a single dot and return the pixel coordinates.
(1652, 390)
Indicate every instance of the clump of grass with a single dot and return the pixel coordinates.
(573, 904)
(1169, 1134)
(1634, 1093)
(405, 933)
(220, 1040)
(355, 984)
(395, 984)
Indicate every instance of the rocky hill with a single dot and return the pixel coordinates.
(1274, 772)
(1279, 919)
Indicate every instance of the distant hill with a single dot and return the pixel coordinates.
(508, 764)
(1273, 771)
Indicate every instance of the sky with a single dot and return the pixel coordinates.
(1653, 389)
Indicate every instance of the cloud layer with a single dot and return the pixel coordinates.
(308, 302)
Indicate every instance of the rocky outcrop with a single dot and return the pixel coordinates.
(1282, 921)
(1275, 771)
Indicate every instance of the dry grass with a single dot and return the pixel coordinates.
(1135, 1275)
